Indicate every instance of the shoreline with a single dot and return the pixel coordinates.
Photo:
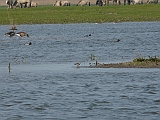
(146, 64)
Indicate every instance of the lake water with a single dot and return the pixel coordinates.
(45, 84)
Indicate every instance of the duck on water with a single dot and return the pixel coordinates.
(22, 34)
(28, 43)
(10, 34)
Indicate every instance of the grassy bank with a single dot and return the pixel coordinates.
(75, 14)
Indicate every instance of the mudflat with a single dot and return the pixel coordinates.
(151, 62)
(129, 65)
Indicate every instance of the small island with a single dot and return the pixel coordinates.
(151, 62)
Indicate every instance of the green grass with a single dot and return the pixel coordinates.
(151, 59)
(80, 14)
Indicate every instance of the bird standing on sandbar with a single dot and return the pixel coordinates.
(10, 34)
(22, 34)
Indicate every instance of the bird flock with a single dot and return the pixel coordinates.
(13, 33)
(23, 34)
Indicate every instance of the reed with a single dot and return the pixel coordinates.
(80, 14)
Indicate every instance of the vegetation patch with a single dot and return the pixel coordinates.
(149, 59)
(80, 14)
(151, 62)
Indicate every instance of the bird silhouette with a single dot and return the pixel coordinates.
(10, 34)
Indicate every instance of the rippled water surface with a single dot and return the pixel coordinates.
(45, 84)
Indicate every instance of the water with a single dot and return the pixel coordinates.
(45, 84)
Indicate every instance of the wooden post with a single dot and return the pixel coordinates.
(9, 68)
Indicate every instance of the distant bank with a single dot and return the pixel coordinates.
(50, 2)
(47, 2)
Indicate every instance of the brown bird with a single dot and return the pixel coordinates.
(22, 34)
(77, 64)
